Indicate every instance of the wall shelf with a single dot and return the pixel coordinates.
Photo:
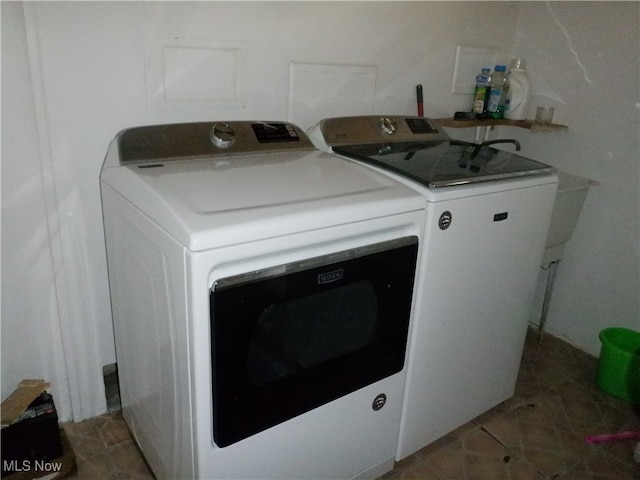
(528, 124)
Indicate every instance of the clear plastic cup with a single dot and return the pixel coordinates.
(544, 115)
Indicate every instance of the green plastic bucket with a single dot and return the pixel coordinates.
(619, 363)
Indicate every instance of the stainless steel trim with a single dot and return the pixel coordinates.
(311, 263)
(490, 178)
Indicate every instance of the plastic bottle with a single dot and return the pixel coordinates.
(498, 94)
(518, 97)
(481, 94)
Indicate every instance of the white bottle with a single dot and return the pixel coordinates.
(518, 101)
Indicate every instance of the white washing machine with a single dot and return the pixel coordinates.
(488, 212)
(262, 296)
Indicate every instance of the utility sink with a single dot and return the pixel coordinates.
(571, 194)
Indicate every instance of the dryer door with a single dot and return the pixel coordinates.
(293, 337)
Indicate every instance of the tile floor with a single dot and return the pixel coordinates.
(538, 434)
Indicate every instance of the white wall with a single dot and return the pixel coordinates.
(77, 72)
(30, 310)
(584, 58)
(55, 307)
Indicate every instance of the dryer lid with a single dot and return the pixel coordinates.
(259, 182)
(241, 194)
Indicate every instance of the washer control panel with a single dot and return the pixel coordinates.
(388, 125)
(188, 141)
(366, 129)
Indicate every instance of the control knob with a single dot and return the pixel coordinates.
(222, 135)
(388, 125)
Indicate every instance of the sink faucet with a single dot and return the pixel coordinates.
(492, 142)
(478, 146)
(504, 140)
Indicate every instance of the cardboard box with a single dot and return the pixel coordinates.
(31, 441)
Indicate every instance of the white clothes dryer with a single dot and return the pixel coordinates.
(488, 212)
(262, 295)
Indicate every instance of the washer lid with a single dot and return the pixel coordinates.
(418, 148)
(445, 164)
(212, 202)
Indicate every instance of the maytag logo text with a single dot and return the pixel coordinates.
(332, 276)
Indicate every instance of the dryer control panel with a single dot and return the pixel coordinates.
(189, 141)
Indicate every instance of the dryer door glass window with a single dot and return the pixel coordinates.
(294, 337)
